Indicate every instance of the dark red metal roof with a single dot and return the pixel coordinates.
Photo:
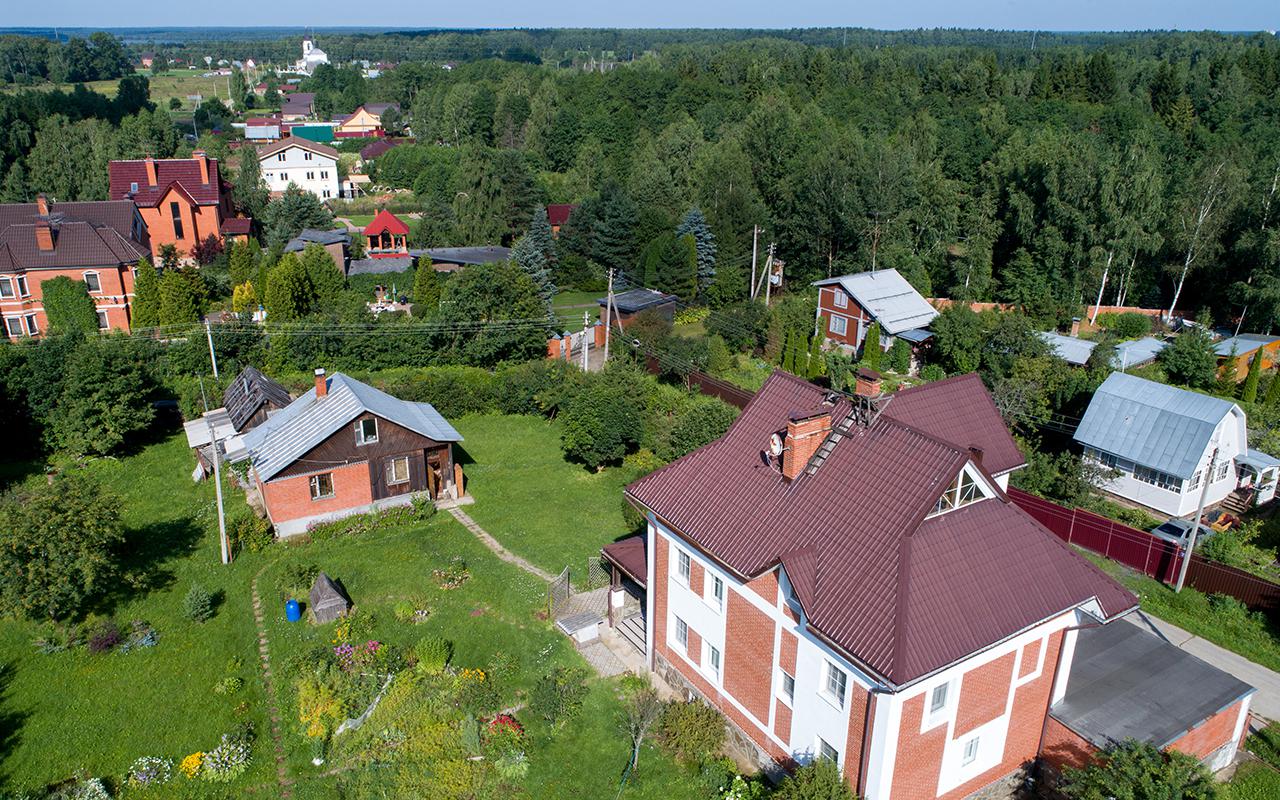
(85, 234)
(902, 595)
(959, 409)
(237, 226)
(558, 213)
(628, 555)
(384, 220)
(184, 172)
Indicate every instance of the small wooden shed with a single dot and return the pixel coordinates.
(328, 601)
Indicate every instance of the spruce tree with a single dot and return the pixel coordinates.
(426, 288)
(695, 224)
(1250, 392)
(677, 265)
(542, 237)
(240, 263)
(324, 276)
(178, 303)
(871, 351)
(528, 257)
(817, 361)
(146, 297)
(1273, 392)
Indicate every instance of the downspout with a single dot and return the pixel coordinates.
(874, 692)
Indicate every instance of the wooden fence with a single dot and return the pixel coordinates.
(1146, 553)
(730, 393)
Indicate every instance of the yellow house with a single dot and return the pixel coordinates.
(364, 121)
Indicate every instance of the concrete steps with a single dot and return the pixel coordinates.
(632, 629)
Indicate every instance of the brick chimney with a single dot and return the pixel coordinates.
(867, 383)
(44, 236)
(42, 205)
(805, 434)
(203, 160)
(151, 171)
(322, 385)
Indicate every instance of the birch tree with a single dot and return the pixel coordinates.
(1203, 210)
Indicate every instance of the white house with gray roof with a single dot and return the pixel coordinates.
(1163, 443)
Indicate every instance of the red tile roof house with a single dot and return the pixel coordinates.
(558, 214)
(182, 200)
(844, 578)
(99, 243)
(346, 448)
(386, 236)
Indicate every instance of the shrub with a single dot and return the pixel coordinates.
(433, 654)
(249, 532)
(703, 421)
(141, 634)
(411, 609)
(716, 775)
(228, 760)
(150, 771)
(932, 372)
(197, 606)
(104, 636)
(513, 766)
(1254, 782)
(453, 575)
(296, 580)
(691, 731)
(1135, 770)
(228, 685)
(742, 789)
(477, 692)
(899, 357)
(818, 780)
(558, 695)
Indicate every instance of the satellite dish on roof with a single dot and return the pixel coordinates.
(775, 445)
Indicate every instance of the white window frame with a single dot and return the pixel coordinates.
(1221, 470)
(104, 322)
(970, 754)
(361, 437)
(33, 327)
(684, 567)
(712, 660)
(682, 634)
(715, 592)
(391, 470)
(6, 288)
(938, 698)
(786, 687)
(841, 299)
(1158, 479)
(281, 157)
(314, 484)
(827, 751)
(842, 329)
(1196, 479)
(835, 685)
(96, 279)
(306, 155)
(23, 289)
(10, 323)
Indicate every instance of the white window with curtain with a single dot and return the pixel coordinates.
(839, 325)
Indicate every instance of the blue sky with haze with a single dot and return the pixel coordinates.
(885, 14)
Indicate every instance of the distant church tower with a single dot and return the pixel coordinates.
(307, 46)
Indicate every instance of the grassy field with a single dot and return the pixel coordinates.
(1225, 624)
(76, 711)
(538, 505)
(570, 305)
(176, 83)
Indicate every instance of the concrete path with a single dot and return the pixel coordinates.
(497, 548)
(1266, 703)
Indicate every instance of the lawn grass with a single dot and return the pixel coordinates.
(748, 372)
(73, 710)
(175, 83)
(1226, 625)
(359, 220)
(1253, 781)
(531, 499)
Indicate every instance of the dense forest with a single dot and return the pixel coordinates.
(1146, 165)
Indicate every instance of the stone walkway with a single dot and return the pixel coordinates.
(282, 775)
(496, 546)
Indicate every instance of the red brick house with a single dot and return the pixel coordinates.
(849, 304)
(99, 243)
(346, 448)
(844, 578)
(182, 200)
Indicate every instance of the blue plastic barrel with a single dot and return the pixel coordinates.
(292, 611)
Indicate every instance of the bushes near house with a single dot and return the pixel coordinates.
(432, 654)
(1137, 771)
(198, 604)
(558, 695)
(692, 731)
(818, 780)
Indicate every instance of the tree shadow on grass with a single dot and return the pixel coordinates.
(146, 559)
(10, 723)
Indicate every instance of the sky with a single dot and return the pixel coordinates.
(1073, 15)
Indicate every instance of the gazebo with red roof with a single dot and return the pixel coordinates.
(387, 235)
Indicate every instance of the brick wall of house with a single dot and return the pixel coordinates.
(859, 701)
(198, 222)
(916, 769)
(290, 498)
(748, 667)
(696, 576)
(1063, 748)
(114, 297)
(984, 692)
(1210, 735)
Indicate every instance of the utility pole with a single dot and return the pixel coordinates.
(768, 277)
(755, 241)
(217, 481)
(608, 317)
(1195, 527)
(213, 359)
(586, 324)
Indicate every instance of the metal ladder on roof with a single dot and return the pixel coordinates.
(843, 429)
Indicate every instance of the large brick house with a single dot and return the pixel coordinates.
(844, 578)
(346, 448)
(99, 243)
(182, 200)
(849, 304)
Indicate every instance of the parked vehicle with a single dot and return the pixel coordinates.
(1176, 531)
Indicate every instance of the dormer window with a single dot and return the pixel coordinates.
(963, 491)
(133, 187)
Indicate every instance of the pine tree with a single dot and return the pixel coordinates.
(146, 296)
(676, 267)
(426, 288)
(871, 351)
(1250, 392)
(528, 257)
(323, 275)
(178, 304)
(288, 293)
(695, 224)
(240, 263)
